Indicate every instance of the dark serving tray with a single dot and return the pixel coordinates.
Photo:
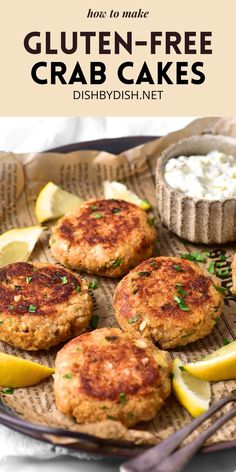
(112, 145)
(85, 442)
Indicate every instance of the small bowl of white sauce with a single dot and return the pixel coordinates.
(196, 189)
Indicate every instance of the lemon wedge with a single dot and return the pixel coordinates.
(220, 365)
(17, 244)
(17, 372)
(194, 394)
(119, 191)
(53, 202)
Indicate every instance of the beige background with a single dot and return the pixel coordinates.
(19, 95)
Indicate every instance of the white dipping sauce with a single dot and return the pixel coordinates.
(210, 177)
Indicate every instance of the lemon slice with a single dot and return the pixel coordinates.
(194, 394)
(17, 244)
(53, 202)
(119, 191)
(220, 365)
(17, 372)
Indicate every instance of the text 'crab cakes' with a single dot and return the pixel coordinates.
(109, 374)
(103, 237)
(168, 300)
(41, 305)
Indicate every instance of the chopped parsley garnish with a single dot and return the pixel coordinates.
(135, 291)
(52, 241)
(180, 290)
(32, 309)
(144, 273)
(194, 256)
(78, 288)
(1, 322)
(222, 257)
(181, 303)
(207, 253)
(226, 342)
(133, 320)
(96, 215)
(111, 338)
(186, 335)
(198, 257)
(28, 279)
(153, 264)
(222, 273)
(67, 376)
(177, 267)
(94, 321)
(151, 221)
(217, 319)
(110, 417)
(129, 415)
(211, 267)
(181, 367)
(7, 391)
(94, 284)
(64, 279)
(215, 308)
(94, 207)
(122, 398)
(116, 263)
(115, 210)
(220, 289)
(220, 264)
(11, 307)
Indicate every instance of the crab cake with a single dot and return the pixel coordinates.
(169, 300)
(41, 305)
(103, 237)
(109, 374)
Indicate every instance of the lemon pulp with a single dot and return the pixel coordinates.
(17, 244)
(53, 202)
(220, 365)
(119, 191)
(17, 372)
(194, 394)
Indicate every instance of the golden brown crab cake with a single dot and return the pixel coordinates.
(103, 237)
(41, 305)
(169, 300)
(109, 374)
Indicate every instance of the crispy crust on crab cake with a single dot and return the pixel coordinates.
(109, 374)
(169, 300)
(41, 305)
(103, 237)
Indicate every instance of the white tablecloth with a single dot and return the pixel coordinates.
(18, 452)
(38, 134)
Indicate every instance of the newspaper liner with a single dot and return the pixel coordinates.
(21, 177)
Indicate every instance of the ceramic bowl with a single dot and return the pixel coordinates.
(196, 220)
